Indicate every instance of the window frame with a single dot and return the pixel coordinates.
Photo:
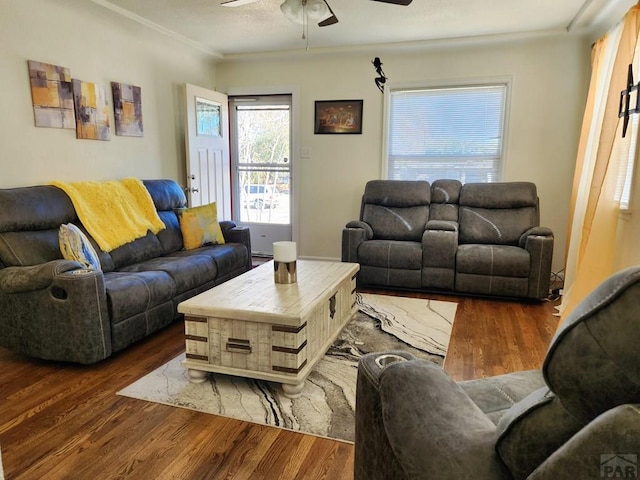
(505, 81)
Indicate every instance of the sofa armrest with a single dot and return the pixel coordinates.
(607, 447)
(353, 235)
(374, 457)
(65, 319)
(36, 277)
(423, 426)
(234, 234)
(442, 225)
(538, 241)
(439, 248)
(364, 226)
(535, 231)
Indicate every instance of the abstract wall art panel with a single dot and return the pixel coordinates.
(92, 111)
(127, 108)
(51, 95)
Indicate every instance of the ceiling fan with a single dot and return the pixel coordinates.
(300, 10)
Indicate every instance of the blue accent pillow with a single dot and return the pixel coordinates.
(75, 245)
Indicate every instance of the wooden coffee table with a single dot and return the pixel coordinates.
(252, 327)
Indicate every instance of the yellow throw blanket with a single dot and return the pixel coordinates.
(114, 212)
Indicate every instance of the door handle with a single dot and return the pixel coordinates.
(194, 190)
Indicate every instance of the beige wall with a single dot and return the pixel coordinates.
(549, 78)
(98, 46)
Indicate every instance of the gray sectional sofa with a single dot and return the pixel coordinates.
(54, 309)
(476, 238)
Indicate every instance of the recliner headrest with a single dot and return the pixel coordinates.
(593, 362)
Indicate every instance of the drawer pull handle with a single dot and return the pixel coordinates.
(332, 307)
(238, 345)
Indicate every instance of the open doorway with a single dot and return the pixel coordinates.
(262, 167)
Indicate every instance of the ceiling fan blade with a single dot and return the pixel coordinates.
(236, 3)
(396, 2)
(332, 20)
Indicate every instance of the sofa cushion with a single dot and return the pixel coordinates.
(497, 213)
(229, 257)
(130, 293)
(493, 260)
(187, 272)
(495, 226)
(199, 226)
(391, 254)
(499, 195)
(396, 223)
(139, 250)
(171, 237)
(495, 395)
(40, 207)
(397, 193)
(18, 249)
(445, 195)
(166, 194)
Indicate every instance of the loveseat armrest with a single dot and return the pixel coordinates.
(35, 277)
(414, 421)
(235, 234)
(439, 247)
(353, 235)
(534, 231)
(443, 225)
(66, 319)
(538, 241)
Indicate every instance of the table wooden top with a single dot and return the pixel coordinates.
(254, 295)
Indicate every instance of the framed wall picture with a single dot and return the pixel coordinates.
(92, 110)
(52, 95)
(338, 116)
(127, 109)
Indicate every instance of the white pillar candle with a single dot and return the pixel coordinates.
(284, 251)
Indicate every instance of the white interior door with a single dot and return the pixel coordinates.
(207, 142)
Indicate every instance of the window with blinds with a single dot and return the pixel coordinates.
(446, 132)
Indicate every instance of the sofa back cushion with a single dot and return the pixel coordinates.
(590, 368)
(396, 209)
(497, 213)
(167, 197)
(445, 195)
(29, 221)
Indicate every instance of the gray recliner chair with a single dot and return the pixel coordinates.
(576, 418)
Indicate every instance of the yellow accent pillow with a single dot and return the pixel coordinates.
(199, 226)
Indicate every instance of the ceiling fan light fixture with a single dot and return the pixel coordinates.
(293, 10)
(317, 9)
(296, 10)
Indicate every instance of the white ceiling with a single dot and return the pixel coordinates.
(261, 26)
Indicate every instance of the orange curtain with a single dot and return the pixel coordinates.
(593, 223)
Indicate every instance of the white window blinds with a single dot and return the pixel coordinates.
(452, 132)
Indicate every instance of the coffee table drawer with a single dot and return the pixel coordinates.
(246, 345)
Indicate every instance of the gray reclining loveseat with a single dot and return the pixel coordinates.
(478, 238)
(54, 309)
(577, 418)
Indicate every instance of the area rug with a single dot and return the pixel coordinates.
(327, 405)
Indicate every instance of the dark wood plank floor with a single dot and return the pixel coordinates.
(60, 421)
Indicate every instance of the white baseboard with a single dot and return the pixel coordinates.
(1, 469)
